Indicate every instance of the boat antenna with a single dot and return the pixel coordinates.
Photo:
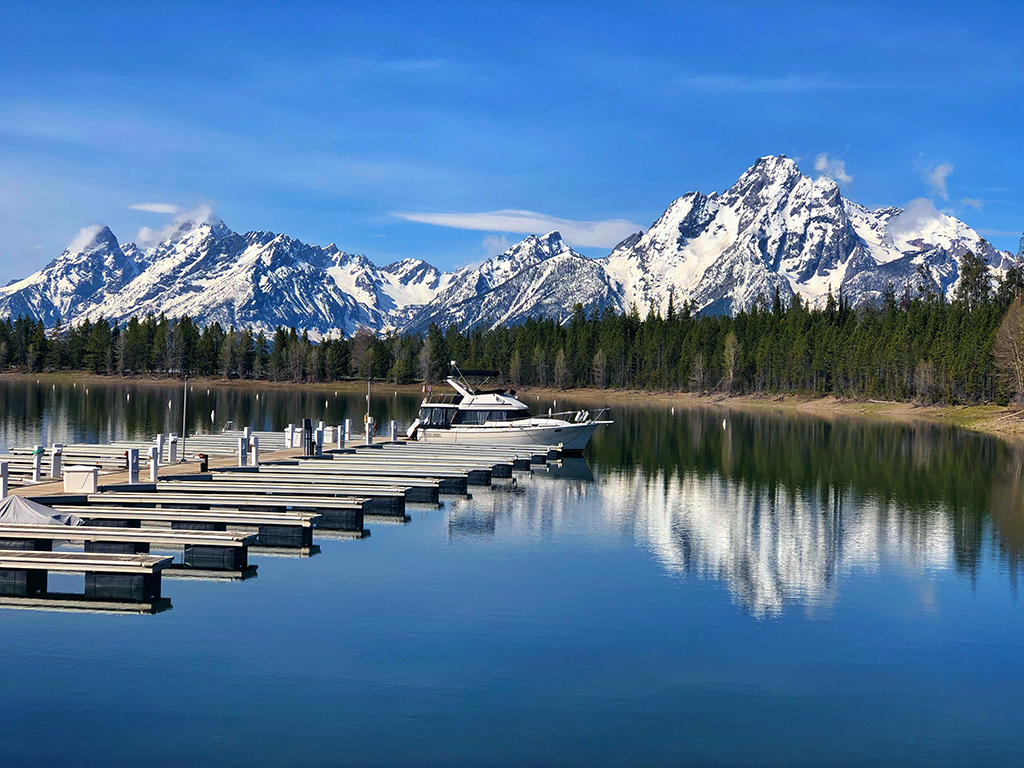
(455, 369)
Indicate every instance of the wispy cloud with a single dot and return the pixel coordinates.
(972, 202)
(997, 232)
(833, 168)
(936, 177)
(495, 244)
(918, 216)
(759, 84)
(155, 207)
(602, 234)
(84, 238)
(203, 213)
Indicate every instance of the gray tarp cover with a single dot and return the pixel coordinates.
(15, 510)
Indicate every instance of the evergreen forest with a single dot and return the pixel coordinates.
(914, 345)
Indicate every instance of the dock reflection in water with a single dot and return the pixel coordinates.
(777, 589)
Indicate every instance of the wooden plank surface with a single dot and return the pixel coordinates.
(148, 535)
(17, 559)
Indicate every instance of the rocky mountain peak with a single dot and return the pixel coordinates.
(775, 229)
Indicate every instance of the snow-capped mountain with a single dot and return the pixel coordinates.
(540, 276)
(205, 270)
(93, 267)
(779, 229)
(775, 229)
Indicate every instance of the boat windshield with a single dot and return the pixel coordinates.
(436, 417)
(481, 416)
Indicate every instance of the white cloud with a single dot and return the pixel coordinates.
(755, 84)
(84, 237)
(834, 169)
(147, 237)
(973, 202)
(916, 218)
(997, 232)
(493, 245)
(936, 179)
(603, 234)
(155, 207)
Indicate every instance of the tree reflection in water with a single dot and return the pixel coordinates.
(778, 506)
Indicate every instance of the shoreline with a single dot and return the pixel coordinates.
(997, 420)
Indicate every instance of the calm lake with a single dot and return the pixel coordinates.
(702, 589)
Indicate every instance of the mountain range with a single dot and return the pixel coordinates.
(775, 229)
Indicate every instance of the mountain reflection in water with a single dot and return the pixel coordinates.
(776, 507)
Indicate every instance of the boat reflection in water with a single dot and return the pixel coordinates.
(778, 511)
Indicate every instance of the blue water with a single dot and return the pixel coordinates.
(690, 595)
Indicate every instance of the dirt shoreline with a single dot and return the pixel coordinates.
(993, 419)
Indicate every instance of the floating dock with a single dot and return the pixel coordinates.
(235, 495)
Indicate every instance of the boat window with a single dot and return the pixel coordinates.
(480, 417)
(520, 413)
(436, 417)
(471, 417)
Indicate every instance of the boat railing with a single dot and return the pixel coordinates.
(578, 417)
(442, 400)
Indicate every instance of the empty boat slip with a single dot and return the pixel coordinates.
(379, 499)
(212, 550)
(290, 529)
(332, 509)
(421, 458)
(266, 477)
(133, 578)
(448, 481)
(477, 473)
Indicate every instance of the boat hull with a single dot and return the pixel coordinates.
(571, 437)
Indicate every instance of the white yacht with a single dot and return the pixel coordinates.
(495, 417)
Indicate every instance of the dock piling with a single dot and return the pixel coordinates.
(55, 454)
(3, 479)
(133, 466)
(154, 463)
(37, 463)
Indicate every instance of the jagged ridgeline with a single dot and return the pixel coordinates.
(776, 231)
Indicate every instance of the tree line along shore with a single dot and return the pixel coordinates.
(914, 346)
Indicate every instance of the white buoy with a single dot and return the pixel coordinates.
(211, 417)
(128, 397)
(723, 423)
(325, 403)
(673, 410)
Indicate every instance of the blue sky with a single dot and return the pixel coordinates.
(388, 128)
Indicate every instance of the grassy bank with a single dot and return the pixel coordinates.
(992, 419)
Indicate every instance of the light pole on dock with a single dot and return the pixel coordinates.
(184, 412)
